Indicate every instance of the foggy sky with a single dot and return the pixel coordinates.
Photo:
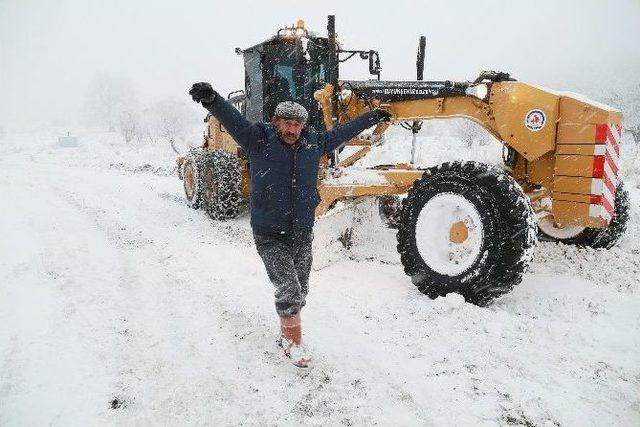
(50, 50)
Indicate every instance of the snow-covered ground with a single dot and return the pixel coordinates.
(121, 306)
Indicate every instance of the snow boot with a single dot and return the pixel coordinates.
(291, 341)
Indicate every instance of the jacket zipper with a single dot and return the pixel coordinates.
(293, 187)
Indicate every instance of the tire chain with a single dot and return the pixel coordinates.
(197, 157)
(223, 169)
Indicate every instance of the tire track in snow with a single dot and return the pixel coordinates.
(246, 333)
(422, 361)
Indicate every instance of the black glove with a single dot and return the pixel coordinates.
(383, 115)
(203, 92)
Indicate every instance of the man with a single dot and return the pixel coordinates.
(284, 156)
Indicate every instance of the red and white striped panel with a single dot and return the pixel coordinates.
(605, 171)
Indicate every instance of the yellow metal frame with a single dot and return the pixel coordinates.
(542, 161)
(554, 161)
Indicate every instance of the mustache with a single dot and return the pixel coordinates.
(288, 134)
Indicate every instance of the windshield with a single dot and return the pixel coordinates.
(284, 85)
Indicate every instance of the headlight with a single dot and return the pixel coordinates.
(480, 91)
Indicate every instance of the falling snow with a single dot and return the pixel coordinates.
(120, 305)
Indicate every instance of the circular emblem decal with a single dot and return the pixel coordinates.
(535, 120)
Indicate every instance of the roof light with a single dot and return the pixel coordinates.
(480, 91)
(294, 31)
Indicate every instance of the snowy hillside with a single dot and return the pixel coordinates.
(121, 306)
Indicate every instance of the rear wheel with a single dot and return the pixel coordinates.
(466, 227)
(593, 237)
(221, 185)
(192, 174)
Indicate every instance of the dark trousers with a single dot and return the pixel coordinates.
(287, 260)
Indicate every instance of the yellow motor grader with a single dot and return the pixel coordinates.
(463, 227)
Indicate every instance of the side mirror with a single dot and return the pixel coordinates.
(374, 63)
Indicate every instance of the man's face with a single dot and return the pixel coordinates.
(288, 129)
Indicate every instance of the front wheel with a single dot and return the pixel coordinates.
(466, 227)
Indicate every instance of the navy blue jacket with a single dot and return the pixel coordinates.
(284, 192)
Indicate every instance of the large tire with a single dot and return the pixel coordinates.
(466, 227)
(221, 185)
(593, 237)
(192, 174)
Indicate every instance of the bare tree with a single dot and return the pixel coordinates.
(628, 100)
(129, 124)
(107, 98)
(173, 120)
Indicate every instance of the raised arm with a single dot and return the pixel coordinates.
(242, 130)
(339, 135)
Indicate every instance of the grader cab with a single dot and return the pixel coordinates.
(463, 227)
